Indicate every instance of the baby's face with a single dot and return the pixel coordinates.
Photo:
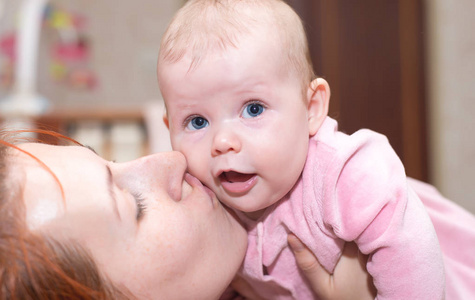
(240, 121)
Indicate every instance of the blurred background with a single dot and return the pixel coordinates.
(404, 68)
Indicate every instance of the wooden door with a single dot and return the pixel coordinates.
(371, 53)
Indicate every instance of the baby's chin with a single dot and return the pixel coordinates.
(252, 212)
(233, 214)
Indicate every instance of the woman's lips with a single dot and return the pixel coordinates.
(194, 182)
(237, 183)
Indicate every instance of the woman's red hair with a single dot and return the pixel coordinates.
(34, 265)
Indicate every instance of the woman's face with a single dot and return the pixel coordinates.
(149, 225)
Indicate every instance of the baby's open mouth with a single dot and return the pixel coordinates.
(235, 177)
(235, 182)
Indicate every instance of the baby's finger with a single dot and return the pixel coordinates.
(308, 263)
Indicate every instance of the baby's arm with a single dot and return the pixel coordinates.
(371, 203)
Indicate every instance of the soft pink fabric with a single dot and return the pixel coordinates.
(354, 188)
(455, 229)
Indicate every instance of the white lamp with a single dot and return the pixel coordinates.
(24, 99)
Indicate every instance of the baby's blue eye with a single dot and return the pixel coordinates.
(253, 110)
(197, 123)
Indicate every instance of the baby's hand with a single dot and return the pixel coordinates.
(350, 280)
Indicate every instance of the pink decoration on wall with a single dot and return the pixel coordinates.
(69, 54)
(7, 46)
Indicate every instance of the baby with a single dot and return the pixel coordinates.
(244, 107)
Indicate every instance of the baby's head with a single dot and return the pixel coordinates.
(236, 78)
(203, 27)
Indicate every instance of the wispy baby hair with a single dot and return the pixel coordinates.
(203, 26)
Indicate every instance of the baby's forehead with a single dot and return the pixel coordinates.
(204, 26)
(235, 25)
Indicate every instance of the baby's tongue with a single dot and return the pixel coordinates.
(237, 177)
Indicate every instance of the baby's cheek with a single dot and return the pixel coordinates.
(174, 141)
(190, 156)
(197, 166)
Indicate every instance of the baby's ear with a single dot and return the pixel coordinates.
(318, 98)
(165, 120)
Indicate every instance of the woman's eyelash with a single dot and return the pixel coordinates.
(90, 148)
(141, 206)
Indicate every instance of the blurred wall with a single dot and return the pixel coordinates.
(451, 74)
(124, 39)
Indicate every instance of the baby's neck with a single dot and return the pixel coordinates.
(255, 215)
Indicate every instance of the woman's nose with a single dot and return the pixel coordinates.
(226, 140)
(163, 164)
(162, 170)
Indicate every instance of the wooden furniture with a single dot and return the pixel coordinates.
(372, 54)
(104, 126)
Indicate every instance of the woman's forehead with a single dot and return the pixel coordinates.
(53, 182)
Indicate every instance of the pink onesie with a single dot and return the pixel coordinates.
(354, 188)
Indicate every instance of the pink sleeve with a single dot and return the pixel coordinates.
(369, 201)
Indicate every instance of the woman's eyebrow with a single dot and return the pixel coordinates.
(110, 184)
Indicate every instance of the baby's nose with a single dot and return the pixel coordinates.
(226, 140)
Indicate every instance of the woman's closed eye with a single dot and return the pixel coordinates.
(141, 206)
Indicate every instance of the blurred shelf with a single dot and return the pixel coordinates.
(115, 133)
(104, 114)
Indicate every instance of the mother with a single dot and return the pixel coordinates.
(150, 227)
(75, 226)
